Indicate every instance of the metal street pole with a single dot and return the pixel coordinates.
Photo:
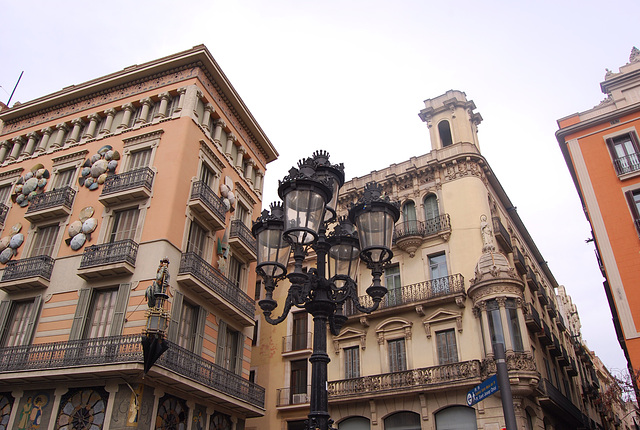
(505, 387)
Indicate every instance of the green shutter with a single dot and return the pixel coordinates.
(81, 314)
(174, 323)
(201, 322)
(120, 311)
(221, 343)
(4, 314)
(31, 326)
(239, 354)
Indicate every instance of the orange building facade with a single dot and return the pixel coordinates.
(98, 183)
(602, 150)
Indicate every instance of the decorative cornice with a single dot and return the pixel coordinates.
(12, 173)
(74, 156)
(212, 155)
(143, 137)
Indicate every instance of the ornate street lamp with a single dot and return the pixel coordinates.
(153, 342)
(299, 225)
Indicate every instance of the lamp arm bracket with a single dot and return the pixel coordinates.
(285, 312)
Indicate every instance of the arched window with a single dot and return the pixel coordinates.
(456, 418)
(354, 423)
(445, 133)
(409, 217)
(431, 214)
(402, 421)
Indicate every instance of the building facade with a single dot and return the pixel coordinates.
(465, 274)
(99, 182)
(601, 148)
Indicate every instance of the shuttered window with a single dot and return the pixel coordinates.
(17, 321)
(197, 239)
(100, 312)
(299, 377)
(633, 198)
(352, 362)
(394, 285)
(397, 355)
(187, 327)
(64, 178)
(235, 271)
(124, 225)
(207, 176)
(229, 348)
(45, 240)
(139, 159)
(100, 317)
(447, 348)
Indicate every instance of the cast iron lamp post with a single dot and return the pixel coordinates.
(299, 225)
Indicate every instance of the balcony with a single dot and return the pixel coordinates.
(542, 296)
(551, 309)
(4, 210)
(108, 260)
(449, 289)
(51, 205)
(627, 164)
(532, 281)
(519, 261)
(553, 399)
(121, 357)
(532, 319)
(563, 359)
(284, 397)
(211, 285)
(27, 274)
(297, 343)
(205, 203)
(242, 241)
(572, 370)
(502, 235)
(554, 348)
(127, 187)
(409, 235)
(546, 337)
(560, 322)
(465, 374)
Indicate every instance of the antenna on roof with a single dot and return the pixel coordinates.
(14, 88)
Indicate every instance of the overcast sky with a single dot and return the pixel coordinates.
(351, 76)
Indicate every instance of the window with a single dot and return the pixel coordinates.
(397, 355)
(17, 321)
(624, 150)
(139, 159)
(514, 325)
(633, 198)
(431, 214)
(404, 421)
(254, 338)
(354, 423)
(456, 417)
(445, 133)
(409, 217)
(64, 178)
(236, 269)
(298, 381)
(495, 322)
(392, 282)
(242, 213)
(45, 240)
(125, 223)
(439, 273)
(5, 191)
(100, 312)
(197, 239)
(229, 350)
(186, 326)
(447, 348)
(352, 362)
(207, 176)
(299, 332)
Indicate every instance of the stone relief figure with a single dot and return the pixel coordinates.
(487, 234)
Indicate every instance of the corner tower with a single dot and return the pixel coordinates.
(451, 119)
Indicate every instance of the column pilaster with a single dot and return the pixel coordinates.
(126, 117)
(31, 143)
(208, 110)
(231, 138)
(61, 130)
(77, 123)
(94, 119)
(506, 333)
(17, 146)
(240, 158)
(42, 146)
(111, 113)
(144, 114)
(181, 92)
(164, 102)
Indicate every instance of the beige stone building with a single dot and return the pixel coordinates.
(98, 183)
(465, 273)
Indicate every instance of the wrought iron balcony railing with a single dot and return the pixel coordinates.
(414, 293)
(627, 164)
(191, 263)
(4, 210)
(559, 399)
(41, 265)
(423, 378)
(123, 251)
(422, 228)
(287, 397)
(532, 280)
(202, 192)
(519, 261)
(532, 318)
(50, 199)
(242, 232)
(297, 342)
(128, 180)
(128, 349)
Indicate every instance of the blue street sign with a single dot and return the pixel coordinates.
(481, 391)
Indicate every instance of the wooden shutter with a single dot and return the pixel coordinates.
(81, 314)
(4, 315)
(239, 353)
(221, 343)
(45, 240)
(199, 333)
(31, 325)
(122, 301)
(174, 323)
